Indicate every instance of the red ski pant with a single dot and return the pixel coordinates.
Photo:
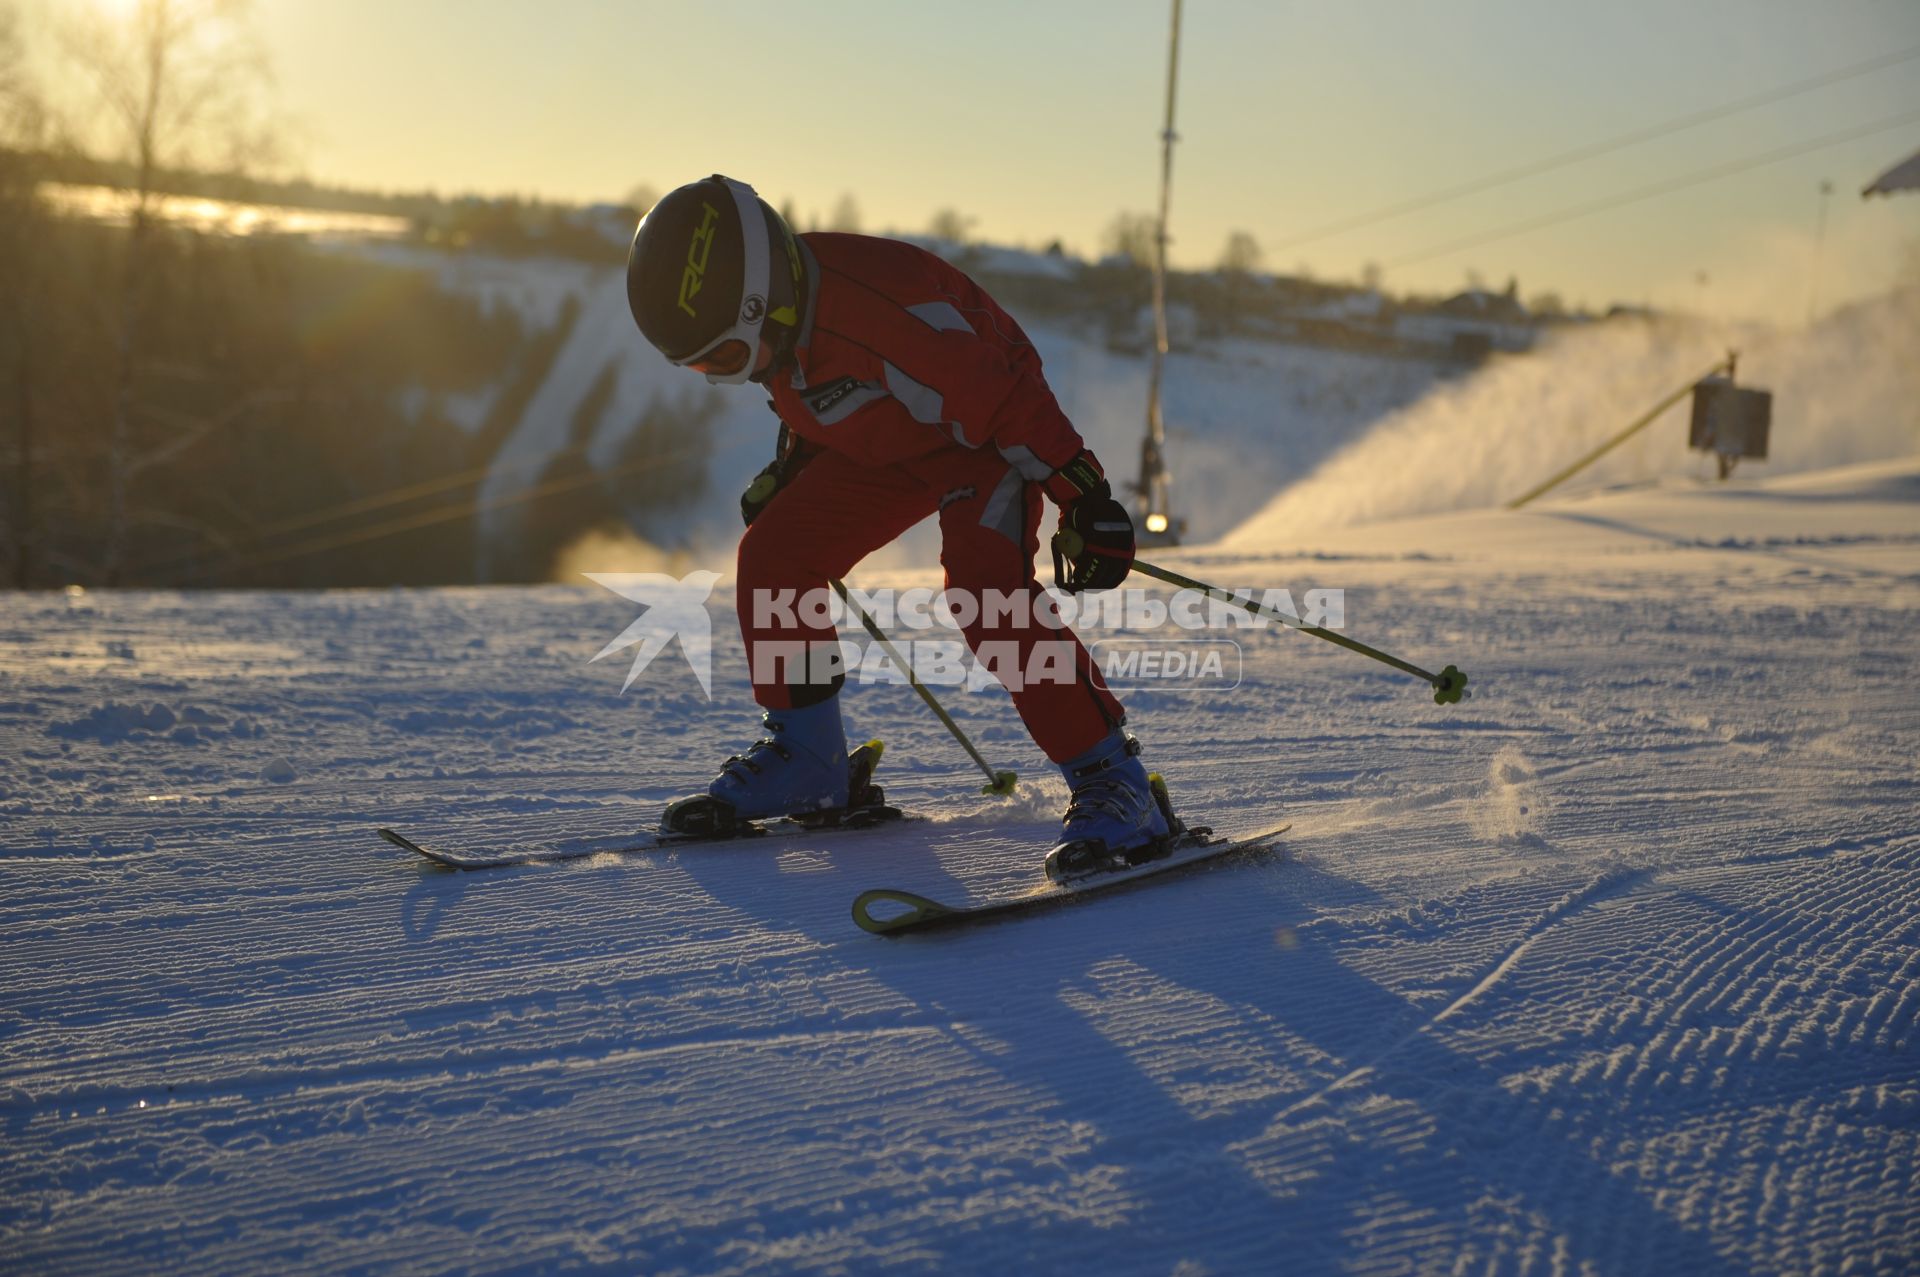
(836, 511)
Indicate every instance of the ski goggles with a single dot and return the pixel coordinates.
(728, 359)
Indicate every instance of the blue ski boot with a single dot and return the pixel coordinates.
(801, 769)
(1117, 817)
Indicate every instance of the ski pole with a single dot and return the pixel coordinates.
(1000, 783)
(1449, 685)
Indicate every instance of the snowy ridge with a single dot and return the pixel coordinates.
(1614, 968)
(1244, 420)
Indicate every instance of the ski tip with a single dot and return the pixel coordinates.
(1003, 784)
(877, 747)
(919, 911)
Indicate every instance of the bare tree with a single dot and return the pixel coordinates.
(23, 307)
(178, 83)
(1133, 236)
(19, 104)
(846, 215)
(1241, 256)
(1548, 303)
(950, 225)
(1238, 262)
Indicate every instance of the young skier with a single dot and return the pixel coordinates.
(903, 390)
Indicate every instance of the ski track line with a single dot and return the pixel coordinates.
(1605, 885)
(930, 1121)
(554, 1155)
(1778, 933)
(268, 1083)
(244, 1021)
(1682, 1065)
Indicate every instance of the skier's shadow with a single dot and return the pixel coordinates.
(1547, 1169)
(1244, 1162)
(758, 879)
(429, 901)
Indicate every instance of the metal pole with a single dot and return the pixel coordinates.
(1154, 485)
(1001, 782)
(1639, 425)
(1448, 685)
(1819, 243)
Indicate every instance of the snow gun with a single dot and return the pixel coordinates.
(1449, 685)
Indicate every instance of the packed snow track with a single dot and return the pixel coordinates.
(1614, 968)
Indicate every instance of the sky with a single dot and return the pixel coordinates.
(1041, 120)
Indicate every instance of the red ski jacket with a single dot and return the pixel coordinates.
(900, 355)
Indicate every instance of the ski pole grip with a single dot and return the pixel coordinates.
(1066, 545)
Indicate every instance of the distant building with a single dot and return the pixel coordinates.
(1468, 326)
(1137, 338)
(1363, 306)
(615, 222)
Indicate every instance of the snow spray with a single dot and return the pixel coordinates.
(1844, 391)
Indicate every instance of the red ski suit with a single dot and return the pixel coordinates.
(913, 392)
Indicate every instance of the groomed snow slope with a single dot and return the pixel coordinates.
(1614, 968)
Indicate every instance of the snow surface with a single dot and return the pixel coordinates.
(1613, 968)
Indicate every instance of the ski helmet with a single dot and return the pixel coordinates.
(711, 264)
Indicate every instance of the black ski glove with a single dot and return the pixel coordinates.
(790, 457)
(1093, 550)
(764, 487)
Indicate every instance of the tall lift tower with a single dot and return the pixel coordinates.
(1157, 523)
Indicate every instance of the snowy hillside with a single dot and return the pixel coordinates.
(1614, 968)
(1264, 440)
(1243, 421)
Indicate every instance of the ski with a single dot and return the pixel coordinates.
(867, 808)
(455, 858)
(1191, 849)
